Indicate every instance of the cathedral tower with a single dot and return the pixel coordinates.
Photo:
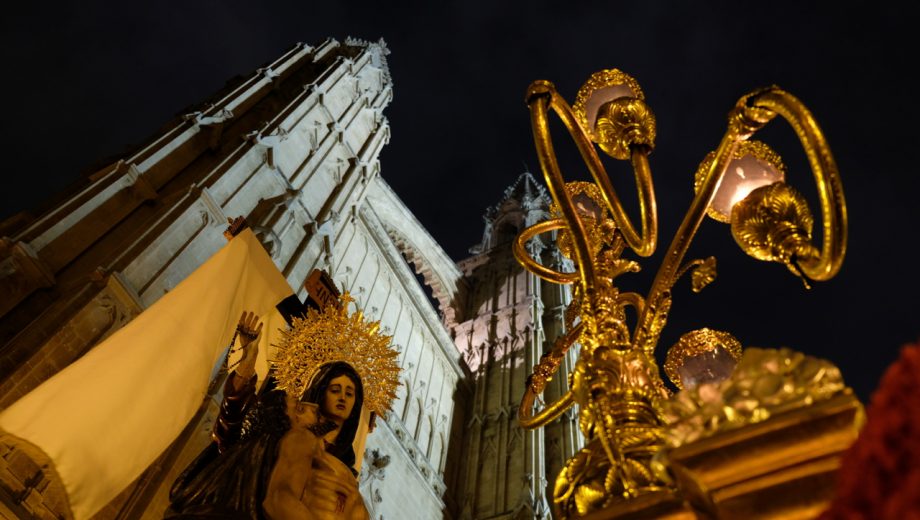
(509, 319)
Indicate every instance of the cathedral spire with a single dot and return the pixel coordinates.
(510, 319)
(524, 203)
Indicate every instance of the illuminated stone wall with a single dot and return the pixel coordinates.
(509, 319)
(294, 148)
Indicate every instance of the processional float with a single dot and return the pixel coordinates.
(756, 434)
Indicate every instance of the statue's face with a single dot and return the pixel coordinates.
(339, 399)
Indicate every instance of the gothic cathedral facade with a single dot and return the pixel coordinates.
(294, 148)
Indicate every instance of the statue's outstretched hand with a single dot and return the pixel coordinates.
(248, 329)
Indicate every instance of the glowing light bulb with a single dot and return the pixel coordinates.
(742, 176)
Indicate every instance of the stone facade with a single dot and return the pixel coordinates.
(294, 149)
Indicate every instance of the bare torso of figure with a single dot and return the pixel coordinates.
(333, 492)
(309, 483)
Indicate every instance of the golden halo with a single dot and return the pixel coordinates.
(333, 335)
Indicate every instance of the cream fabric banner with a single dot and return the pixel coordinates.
(104, 419)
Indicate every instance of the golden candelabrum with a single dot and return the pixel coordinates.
(649, 452)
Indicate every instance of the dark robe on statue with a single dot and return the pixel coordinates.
(230, 477)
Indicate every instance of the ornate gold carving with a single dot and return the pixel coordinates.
(597, 83)
(589, 482)
(649, 331)
(697, 342)
(830, 189)
(611, 109)
(623, 431)
(774, 224)
(781, 468)
(703, 275)
(765, 382)
(599, 227)
(550, 361)
(334, 335)
(747, 117)
(615, 382)
(756, 149)
(623, 124)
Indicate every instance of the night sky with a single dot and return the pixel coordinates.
(86, 81)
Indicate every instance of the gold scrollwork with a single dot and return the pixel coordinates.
(601, 230)
(542, 96)
(615, 382)
(830, 190)
(520, 253)
(542, 373)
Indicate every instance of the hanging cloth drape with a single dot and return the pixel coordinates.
(104, 419)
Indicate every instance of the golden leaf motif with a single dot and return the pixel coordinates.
(703, 275)
(774, 224)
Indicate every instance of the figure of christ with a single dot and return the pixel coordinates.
(277, 456)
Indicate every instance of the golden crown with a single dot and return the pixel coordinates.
(333, 335)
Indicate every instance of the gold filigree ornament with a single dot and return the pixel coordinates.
(696, 343)
(615, 382)
(765, 383)
(600, 228)
(703, 275)
(611, 108)
(604, 84)
(335, 335)
(774, 224)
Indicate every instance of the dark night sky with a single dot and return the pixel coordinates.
(86, 80)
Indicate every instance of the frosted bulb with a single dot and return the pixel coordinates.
(711, 366)
(742, 176)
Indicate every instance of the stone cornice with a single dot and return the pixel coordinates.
(376, 230)
(432, 262)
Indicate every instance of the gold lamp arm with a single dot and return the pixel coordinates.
(542, 372)
(529, 421)
(540, 96)
(645, 335)
(824, 168)
(644, 244)
(520, 253)
(743, 121)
